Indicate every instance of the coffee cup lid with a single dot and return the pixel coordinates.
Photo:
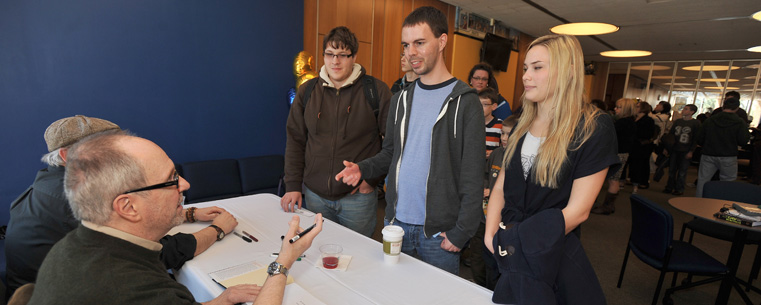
(393, 231)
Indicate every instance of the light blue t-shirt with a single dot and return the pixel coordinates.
(416, 158)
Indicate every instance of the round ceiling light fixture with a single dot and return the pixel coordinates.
(756, 16)
(718, 80)
(626, 53)
(756, 49)
(710, 68)
(720, 88)
(584, 28)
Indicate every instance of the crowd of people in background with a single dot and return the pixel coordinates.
(651, 141)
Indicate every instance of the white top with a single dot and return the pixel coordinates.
(528, 152)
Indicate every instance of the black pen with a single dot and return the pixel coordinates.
(241, 236)
(300, 235)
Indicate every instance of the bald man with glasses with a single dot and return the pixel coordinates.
(41, 216)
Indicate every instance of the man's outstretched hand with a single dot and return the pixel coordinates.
(350, 175)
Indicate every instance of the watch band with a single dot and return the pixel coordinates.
(276, 268)
(220, 232)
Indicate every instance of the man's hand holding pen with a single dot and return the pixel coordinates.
(290, 251)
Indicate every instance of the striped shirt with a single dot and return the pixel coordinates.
(493, 132)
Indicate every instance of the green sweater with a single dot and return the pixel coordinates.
(89, 267)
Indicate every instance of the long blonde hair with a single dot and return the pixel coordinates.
(569, 106)
(628, 107)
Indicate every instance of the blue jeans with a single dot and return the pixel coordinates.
(678, 164)
(427, 249)
(727, 167)
(357, 212)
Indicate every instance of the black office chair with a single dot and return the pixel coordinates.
(651, 240)
(728, 190)
(212, 180)
(261, 174)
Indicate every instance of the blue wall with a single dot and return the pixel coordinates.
(202, 79)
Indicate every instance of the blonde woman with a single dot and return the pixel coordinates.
(555, 163)
(626, 110)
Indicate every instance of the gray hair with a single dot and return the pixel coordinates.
(97, 171)
(53, 158)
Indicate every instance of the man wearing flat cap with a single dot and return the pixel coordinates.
(41, 215)
(719, 136)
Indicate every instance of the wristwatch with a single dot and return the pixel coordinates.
(220, 232)
(276, 268)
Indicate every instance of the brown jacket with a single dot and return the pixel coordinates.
(337, 125)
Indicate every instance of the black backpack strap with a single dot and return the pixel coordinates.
(308, 92)
(371, 93)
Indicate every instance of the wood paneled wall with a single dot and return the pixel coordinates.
(377, 25)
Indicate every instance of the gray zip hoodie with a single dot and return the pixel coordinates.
(455, 179)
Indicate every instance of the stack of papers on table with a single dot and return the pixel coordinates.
(747, 210)
(256, 273)
(737, 217)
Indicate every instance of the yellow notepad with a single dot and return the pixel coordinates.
(247, 273)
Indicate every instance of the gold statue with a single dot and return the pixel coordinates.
(303, 68)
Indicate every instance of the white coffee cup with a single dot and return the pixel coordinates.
(392, 243)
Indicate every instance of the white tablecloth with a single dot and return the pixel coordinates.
(367, 280)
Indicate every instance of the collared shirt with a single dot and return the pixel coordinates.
(148, 244)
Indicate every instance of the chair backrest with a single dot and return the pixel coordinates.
(211, 180)
(261, 174)
(652, 227)
(733, 190)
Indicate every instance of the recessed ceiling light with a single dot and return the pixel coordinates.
(755, 49)
(667, 77)
(719, 88)
(680, 84)
(717, 80)
(647, 68)
(756, 16)
(710, 68)
(626, 53)
(584, 28)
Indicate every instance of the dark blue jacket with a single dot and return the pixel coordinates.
(540, 264)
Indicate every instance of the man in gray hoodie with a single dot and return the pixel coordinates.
(719, 136)
(433, 151)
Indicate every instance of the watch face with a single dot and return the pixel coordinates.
(275, 268)
(272, 268)
(221, 235)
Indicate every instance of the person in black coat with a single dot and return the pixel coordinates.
(626, 109)
(639, 164)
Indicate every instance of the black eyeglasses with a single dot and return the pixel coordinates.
(483, 79)
(174, 182)
(340, 56)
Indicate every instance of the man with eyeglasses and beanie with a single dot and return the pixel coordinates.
(338, 116)
(41, 216)
(434, 151)
(127, 195)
